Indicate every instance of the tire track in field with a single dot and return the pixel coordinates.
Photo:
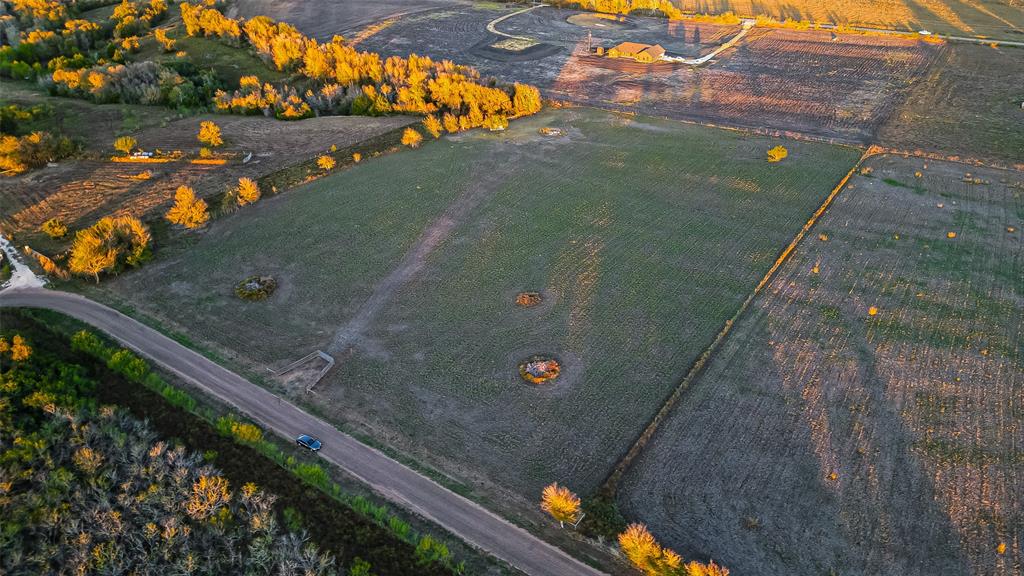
(480, 186)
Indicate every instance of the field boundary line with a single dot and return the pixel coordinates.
(940, 157)
(611, 483)
(617, 108)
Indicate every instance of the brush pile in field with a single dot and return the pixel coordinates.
(256, 288)
(539, 369)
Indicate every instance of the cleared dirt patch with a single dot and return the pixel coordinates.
(865, 416)
(528, 299)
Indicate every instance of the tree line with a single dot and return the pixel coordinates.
(91, 489)
(342, 80)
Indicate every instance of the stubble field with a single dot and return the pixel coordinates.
(968, 104)
(641, 235)
(773, 79)
(992, 18)
(826, 439)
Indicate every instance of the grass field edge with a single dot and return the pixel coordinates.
(610, 485)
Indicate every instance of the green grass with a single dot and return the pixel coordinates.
(228, 62)
(644, 236)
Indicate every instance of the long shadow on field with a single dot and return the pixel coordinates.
(889, 500)
(802, 467)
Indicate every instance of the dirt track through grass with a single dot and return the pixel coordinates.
(436, 234)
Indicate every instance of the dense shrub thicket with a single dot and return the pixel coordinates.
(71, 56)
(21, 147)
(52, 376)
(18, 154)
(109, 245)
(93, 490)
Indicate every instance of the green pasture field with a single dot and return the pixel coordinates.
(642, 236)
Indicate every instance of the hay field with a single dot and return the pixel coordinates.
(993, 18)
(775, 79)
(823, 439)
(968, 103)
(642, 235)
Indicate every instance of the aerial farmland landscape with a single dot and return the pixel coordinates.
(580, 287)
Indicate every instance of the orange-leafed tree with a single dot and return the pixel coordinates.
(777, 154)
(248, 191)
(694, 568)
(188, 211)
(124, 144)
(18, 347)
(411, 138)
(166, 42)
(209, 494)
(209, 134)
(560, 503)
(107, 244)
(325, 162)
(526, 100)
(433, 125)
(644, 552)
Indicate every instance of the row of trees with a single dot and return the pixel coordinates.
(636, 542)
(647, 7)
(93, 490)
(343, 80)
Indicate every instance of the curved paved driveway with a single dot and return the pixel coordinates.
(392, 480)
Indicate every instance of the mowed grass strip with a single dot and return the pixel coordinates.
(642, 236)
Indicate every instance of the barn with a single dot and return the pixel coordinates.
(640, 52)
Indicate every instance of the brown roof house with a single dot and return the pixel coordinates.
(640, 52)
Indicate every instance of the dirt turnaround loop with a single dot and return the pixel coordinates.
(601, 21)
